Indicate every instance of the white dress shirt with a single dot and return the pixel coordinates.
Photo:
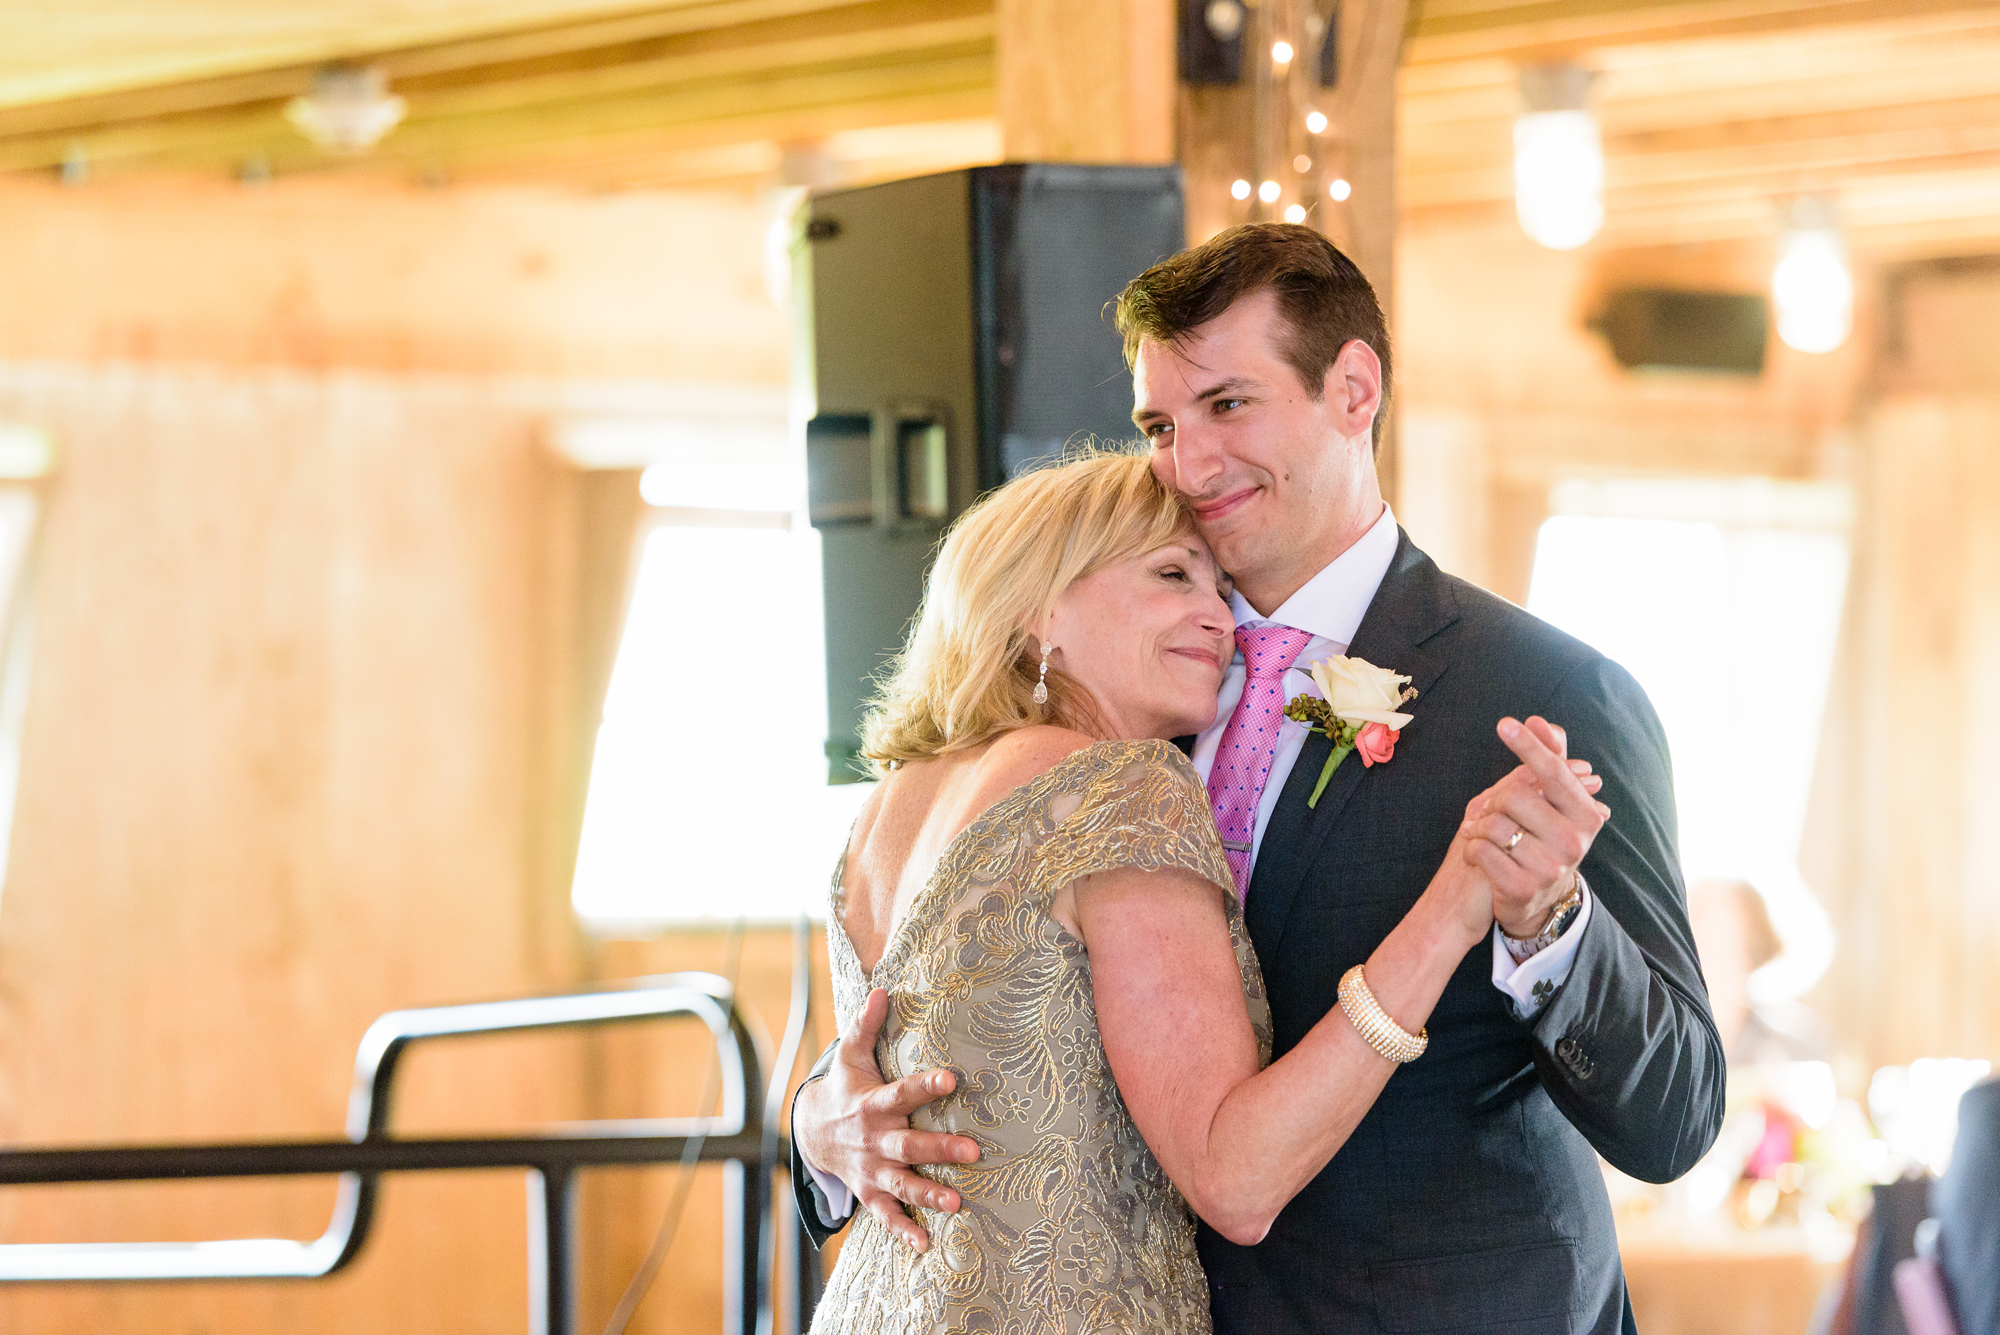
(1329, 607)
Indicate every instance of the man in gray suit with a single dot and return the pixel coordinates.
(1966, 1201)
(1469, 1198)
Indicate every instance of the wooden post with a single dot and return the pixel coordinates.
(1231, 133)
(1086, 80)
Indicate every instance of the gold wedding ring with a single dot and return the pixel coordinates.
(1514, 839)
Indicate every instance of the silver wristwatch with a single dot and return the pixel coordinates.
(1560, 917)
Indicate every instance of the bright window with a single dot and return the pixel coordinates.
(1723, 598)
(708, 794)
(27, 456)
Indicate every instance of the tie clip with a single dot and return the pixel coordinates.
(1235, 848)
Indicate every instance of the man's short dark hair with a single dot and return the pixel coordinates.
(1322, 294)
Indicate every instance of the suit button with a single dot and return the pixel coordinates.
(1566, 1049)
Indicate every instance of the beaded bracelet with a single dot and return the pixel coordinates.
(1373, 1023)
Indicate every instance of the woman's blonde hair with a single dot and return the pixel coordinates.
(968, 671)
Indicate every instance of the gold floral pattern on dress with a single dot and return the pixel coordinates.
(1067, 1223)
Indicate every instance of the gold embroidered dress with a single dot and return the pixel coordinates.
(1067, 1223)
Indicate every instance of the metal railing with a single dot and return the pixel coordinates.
(742, 1135)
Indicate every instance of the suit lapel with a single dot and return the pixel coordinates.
(1413, 604)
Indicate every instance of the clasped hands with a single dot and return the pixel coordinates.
(1519, 847)
(1527, 834)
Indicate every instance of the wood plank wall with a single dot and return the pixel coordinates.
(1909, 776)
(297, 748)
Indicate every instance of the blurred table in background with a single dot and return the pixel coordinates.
(1716, 1279)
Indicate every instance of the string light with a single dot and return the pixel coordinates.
(1302, 164)
(1339, 189)
(1295, 213)
(1281, 53)
(1240, 189)
(1268, 192)
(1316, 122)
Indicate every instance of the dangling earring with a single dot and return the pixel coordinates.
(1041, 696)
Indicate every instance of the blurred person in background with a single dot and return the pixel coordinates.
(1966, 1204)
(1734, 936)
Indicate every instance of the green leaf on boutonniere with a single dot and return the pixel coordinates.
(1318, 716)
(1332, 764)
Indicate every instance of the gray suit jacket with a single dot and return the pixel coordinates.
(1469, 1198)
(1966, 1201)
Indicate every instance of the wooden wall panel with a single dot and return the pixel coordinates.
(320, 274)
(1896, 833)
(313, 661)
(1897, 836)
(276, 780)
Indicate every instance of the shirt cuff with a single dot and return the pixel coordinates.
(831, 1195)
(1532, 982)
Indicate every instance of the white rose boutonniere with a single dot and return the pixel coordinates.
(1359, 712)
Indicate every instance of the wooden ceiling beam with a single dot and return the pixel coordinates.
(1876, 213)
(79, 115)
(927, 45)
(735, 102)
(1881, 79)
(955, 81)
(1780, 170)
(1451, 30)
(909, 27)
(741, 153)
(1974, 231)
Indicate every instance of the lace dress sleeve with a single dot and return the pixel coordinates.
(1141, 804)
(1138, 804)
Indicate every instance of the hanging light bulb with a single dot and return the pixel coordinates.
(1295, 213)
(1268, 192)
(1281, 53)
(348, 109)
(1339, 189)
(1812, 287)
(1239, 189)
(1316, 122)
(1558, 158)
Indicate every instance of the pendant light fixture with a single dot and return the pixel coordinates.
(1812, 288)
(348, 109)
(1558, 158)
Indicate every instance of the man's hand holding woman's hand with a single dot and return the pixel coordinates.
(852, 1126)
(1530, 831)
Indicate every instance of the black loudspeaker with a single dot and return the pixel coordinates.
(1663, 329)
(954, 330)
(1210, 41)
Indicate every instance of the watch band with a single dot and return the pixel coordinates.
(1561, 915)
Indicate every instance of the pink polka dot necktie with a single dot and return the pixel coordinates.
(1250, 742)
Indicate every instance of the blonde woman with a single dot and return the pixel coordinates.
(1037, 893)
